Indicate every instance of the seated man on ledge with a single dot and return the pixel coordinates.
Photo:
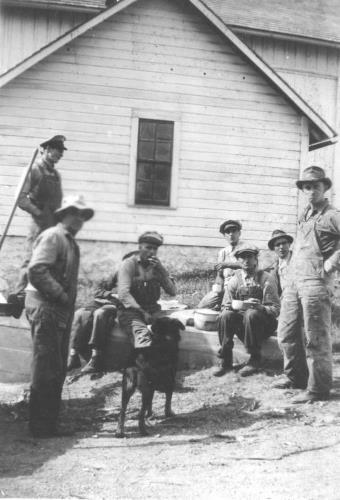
(226, 264)
(140, 279)
(92, 324)
(255, 320)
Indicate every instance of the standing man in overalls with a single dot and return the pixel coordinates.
(140, 279)
(307, 296)
(251, 325)
(40, 197)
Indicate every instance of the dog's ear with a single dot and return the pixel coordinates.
(178, 323)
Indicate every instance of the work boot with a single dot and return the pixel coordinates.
(253, 366)
(73, 362)
(17, 302)
(226, 364)
(93, 366)
(310, 397)
(283, 383)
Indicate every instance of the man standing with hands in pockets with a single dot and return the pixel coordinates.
(307, 297)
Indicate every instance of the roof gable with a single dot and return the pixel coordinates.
(321, 134)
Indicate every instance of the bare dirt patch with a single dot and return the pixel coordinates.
(232, 438)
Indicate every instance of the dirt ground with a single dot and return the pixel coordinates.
(232, 438)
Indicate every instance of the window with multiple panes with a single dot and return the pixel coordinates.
(154, 161)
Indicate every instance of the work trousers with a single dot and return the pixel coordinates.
(50, 328)
(133, 324)
(251, 327)
(91, 327)
(310, 358)
(212, 300)
(33, 233)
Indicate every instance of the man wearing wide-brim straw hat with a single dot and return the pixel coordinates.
(306, 298)
(49, 303)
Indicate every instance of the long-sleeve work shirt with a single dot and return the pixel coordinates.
(139, 287)
(53, 270)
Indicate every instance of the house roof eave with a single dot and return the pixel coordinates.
(279, 35)
(41, 4)
(320, 127)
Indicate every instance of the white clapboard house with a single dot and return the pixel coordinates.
(172, 121)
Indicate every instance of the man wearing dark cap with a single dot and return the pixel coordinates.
(40, 197)
(226, 264)
(140, 279)
(254, 318)
(49, 303)
(92, 326)
(307, 297)
(280, 243)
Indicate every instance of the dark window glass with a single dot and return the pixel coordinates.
(154, 161)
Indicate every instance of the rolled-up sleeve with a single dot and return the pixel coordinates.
(125, 276)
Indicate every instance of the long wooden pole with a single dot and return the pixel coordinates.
(17, 194)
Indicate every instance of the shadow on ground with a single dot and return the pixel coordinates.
(22, 454)
(205, 424)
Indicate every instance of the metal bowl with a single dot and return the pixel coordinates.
(206, 319)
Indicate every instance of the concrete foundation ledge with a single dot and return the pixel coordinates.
(198, 349)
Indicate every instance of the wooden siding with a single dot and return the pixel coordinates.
(240, 143)
(23, 31)
(314, 73)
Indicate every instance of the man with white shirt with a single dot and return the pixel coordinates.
(280, 243)
(226, 264)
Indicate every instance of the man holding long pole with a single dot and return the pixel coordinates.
(40, 196)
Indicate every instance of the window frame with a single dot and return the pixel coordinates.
(156, 116)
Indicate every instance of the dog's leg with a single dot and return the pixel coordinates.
(168, 411)
(149, 413)
(129, 384)
(147, 395)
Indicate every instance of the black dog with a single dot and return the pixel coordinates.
(154, 370)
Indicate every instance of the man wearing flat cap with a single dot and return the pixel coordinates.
(307, 296)
(92, 325)
(49, 303)
(40, 197)
(140, 279)
(249, 310)
(226, 264)
(280, 243)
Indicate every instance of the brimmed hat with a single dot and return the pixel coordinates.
(151, 237)
(74, 202)
(246, 249)
(277, 234)
(57, 142)
(314, 174)
(230, 223)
